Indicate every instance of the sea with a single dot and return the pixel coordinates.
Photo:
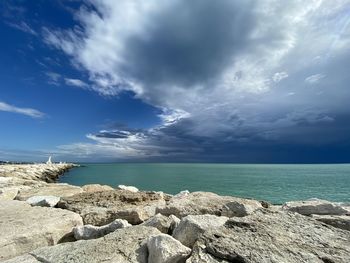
(275, 183)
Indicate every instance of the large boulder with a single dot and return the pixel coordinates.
(193, 226)
(126, 245)
(315, 206)
(199, 203)
(59, 190)
(165, 249)
(267, 236)
(91, 232)
(101, 208)
(24, 228)
(96, 188)
(342, 222)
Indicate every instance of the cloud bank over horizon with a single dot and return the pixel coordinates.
(239, 81)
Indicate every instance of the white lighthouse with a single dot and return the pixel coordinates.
(49, 161)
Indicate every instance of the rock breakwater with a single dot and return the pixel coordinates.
(43, 221)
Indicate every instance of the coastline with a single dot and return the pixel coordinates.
(41, 219)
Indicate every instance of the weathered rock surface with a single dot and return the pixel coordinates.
(24, 228)
(126, 245)
(90, 188)
(314, 206)
(193, 226)
(46, 200)
(27, 258)
(175, 221)
(199, 203)
(90, 232)
(101, 208)
(10, 186)
(165, 249)
(59, 190)
(342, 222)
(128, 188)
(8, 193)
(267, 236)
(162, 223)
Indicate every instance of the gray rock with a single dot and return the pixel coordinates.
(165, 249)
(96, 188)
(314, 206)
(199, 203)
(101, 208)
(193, 226)
(90, 232)
(126, 245)
(238, 208)
(59, 190)
(128, 188)
(342, 222)
(24, 228)
(162, 223)
(267, 236)
(48, 200)
(175, 221)
(23, 259)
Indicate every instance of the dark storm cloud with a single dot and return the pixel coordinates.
(234, 80)
(190, 42)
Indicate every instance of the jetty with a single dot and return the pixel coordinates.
(42, 220)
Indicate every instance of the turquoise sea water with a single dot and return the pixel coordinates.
(274, 183)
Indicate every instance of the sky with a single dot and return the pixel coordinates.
(237, 81)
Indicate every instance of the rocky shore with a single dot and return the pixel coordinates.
(45, 221)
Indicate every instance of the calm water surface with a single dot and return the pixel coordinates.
(274, 183)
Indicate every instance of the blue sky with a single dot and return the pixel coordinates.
(175, 81)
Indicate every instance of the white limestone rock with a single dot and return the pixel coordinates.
(128, 188)
(200, 203)
(314, 206)
(91, 232)
(125, 245)
(165, 249)
(272, 236)
(8, 193)
(193, 226)
(44, 200)
(24, 228)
